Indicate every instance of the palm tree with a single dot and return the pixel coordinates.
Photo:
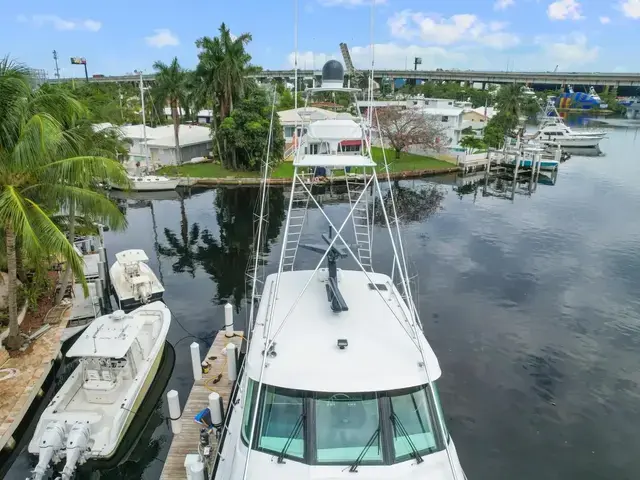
(184, 249)
(107, 144)
(36, 179)
(170, 87)
(224, 64)
(508, 100)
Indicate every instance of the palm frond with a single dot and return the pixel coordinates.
(83, 170)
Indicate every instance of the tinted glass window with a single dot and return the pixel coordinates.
(345, 425)
(413, 424)
(282, 418)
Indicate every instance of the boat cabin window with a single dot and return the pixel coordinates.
(340, 428)
(345, 425)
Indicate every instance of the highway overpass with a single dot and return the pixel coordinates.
(553, 79)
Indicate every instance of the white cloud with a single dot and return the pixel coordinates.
(605, 20)
(61, 24)
(572, 50)
(630, 8)
(565, 10)
(163, 37)
(502, 4)
(461, 28)
(348, 3)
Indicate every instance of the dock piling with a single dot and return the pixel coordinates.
(228, 320)
(196, 366)
(215, 407)
(196, 471)
(174, 411)
(232, 370)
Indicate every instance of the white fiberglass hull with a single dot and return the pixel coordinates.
(151, 183)
(126, 297)
(105, 422)
(574, 141)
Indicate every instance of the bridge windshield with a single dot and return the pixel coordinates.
(379, 428)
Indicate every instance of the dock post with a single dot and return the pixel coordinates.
(102, 254)
(232, 370)
(215, 407)
(174, 411)
(228, 321)
(102, 276)
(196, 471)
(196, 366)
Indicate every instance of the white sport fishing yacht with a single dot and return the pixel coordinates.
(338, 376)
(553, 131)
(89, 416)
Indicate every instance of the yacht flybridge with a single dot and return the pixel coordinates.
(338, 376)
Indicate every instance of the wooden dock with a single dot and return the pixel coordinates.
(187, 440)
(22, 377)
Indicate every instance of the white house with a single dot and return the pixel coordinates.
(290, 118)
(195, 141)
(449, 118)
(203, 116)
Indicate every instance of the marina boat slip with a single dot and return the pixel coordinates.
(89, 416)
(133, 281)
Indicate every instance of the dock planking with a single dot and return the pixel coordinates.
(24, 375)
(187, 440)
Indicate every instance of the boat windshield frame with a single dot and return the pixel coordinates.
(302, 447)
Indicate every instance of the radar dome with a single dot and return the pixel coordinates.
(332, 74)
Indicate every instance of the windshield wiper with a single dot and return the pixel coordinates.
(292, 435)
(356, 464)
(400, 427)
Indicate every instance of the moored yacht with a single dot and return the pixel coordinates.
(90, 414)
(133, 281)
(338, 376)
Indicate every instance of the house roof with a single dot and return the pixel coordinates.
(163, 135)
(449, 111)
(295, 115)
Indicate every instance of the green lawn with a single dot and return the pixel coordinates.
(406, 162)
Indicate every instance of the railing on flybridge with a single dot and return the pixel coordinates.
(297, 217)
(356, 183)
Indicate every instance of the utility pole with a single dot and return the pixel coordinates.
(55, 58)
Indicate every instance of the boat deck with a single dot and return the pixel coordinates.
(187, 440)
(21, 378)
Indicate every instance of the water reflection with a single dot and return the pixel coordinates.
(413, 203)
(183, 248)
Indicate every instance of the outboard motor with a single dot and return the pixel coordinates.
(77, 444)
(144, 292)
(51, 443)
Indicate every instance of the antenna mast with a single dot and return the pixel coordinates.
(55, 58)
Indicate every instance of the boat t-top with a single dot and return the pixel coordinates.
(338, 376)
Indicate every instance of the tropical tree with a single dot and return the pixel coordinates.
(36, 179)
(107, 144)
(472, 143)
(509, 99)
(224, 63)
(170, 87)
(246, 132)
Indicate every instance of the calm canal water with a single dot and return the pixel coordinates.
(531, 306)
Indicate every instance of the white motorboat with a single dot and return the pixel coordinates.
(553, 131)
(133, 281)
(528, 91)
(151, 183)
(88, 417)
(338, 374)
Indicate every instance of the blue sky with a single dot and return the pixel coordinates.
(120, 36)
